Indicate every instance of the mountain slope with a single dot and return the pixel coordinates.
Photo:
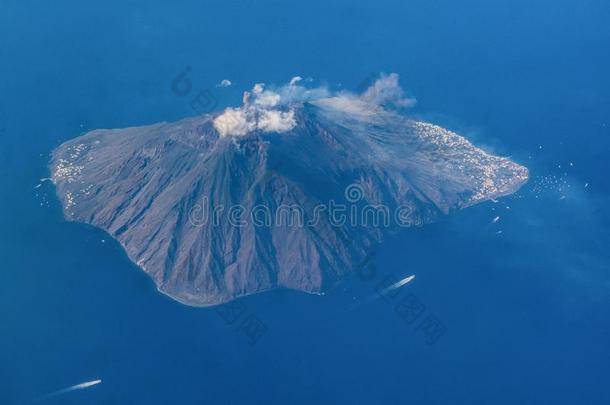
(171, 194)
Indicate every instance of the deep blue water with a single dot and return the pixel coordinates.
(525, 311)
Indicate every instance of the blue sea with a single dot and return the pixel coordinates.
(508, 310)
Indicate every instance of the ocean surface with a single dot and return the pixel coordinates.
(510, 310)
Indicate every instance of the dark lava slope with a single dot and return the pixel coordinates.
(208, 216)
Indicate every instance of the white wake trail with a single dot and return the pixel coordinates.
(80, 386)
(396, 285)
(384, 292)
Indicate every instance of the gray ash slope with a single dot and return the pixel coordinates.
(150, 188)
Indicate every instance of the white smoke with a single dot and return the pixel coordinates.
(234, 121)
(272, 110)
(276, 121)
(258, 88)
(293, 94)
(261, 110)
(295, 80)
(267, 99)
(387, 90)
(224, 83)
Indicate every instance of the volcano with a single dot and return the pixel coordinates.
(271, 194)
